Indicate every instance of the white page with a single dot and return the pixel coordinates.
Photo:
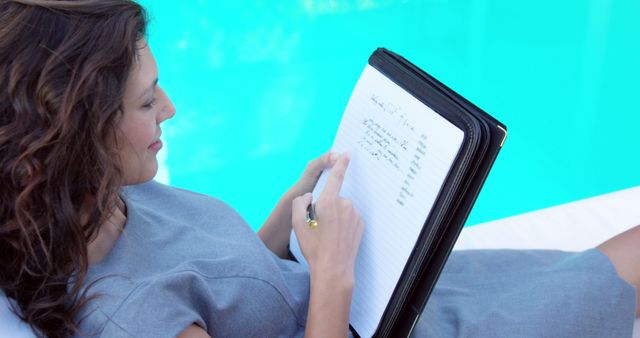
(401, 152)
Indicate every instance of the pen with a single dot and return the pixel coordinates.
(311, 216)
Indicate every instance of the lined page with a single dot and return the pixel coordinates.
(401, 152)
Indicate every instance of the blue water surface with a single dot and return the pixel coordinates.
(260, 87)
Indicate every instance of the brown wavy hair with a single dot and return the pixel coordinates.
(63, 69)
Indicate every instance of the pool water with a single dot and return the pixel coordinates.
(260, 87)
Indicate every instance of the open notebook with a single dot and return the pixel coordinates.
(419, 155)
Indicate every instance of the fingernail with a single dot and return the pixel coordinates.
(333, 157)
(346, 155)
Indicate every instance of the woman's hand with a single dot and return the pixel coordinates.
(276, 230)
(330, 250)
(311, 174)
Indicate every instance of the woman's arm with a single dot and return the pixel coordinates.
(624, 252)
(329, 305)
(276, 230)
(330, 250)
(194, 331)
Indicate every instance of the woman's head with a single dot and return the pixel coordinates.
(70, 137)
(145, 105)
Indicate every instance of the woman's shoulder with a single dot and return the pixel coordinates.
(156, 195)
(152, 190)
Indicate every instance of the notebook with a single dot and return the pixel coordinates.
(419, 156)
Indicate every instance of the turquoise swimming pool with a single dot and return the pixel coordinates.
(260, 87)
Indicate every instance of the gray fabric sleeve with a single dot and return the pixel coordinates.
(188, 293)
(146, 314)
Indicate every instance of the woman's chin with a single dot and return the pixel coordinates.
(145, 175)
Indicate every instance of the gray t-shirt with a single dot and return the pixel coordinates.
(187, 258)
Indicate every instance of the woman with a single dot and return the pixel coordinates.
(81, 111)
(90, 246)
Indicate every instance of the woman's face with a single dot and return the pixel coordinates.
(145, 106)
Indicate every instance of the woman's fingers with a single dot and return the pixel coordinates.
(315, 167)
(333, 245)
(312, 172)
(334, 182)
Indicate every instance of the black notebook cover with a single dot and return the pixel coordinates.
(484, 137)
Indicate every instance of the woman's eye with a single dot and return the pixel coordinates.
(150, 104)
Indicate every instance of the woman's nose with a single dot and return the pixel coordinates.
(169, 109)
